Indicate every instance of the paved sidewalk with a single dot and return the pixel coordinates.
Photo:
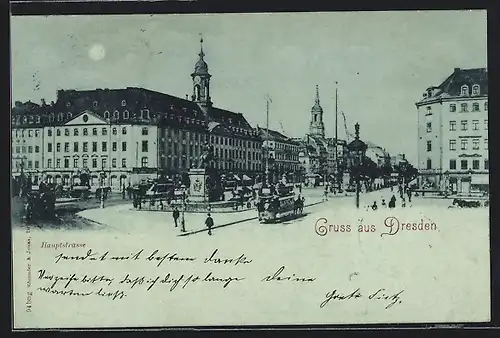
(124, 218)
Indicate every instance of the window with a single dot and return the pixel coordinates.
(453, 125)
(30, 149)
(51, 117)
(49, 132)
(58, 132)
(49, 147)
(75, 132)
(106, 114)
(475, 106)
(486, 124)
(144, 162)
(66, 163)
(49, 163)
(485, 144)
(37, 149)
(486, 106)
(58, 163)
(75, 163)
(37, 164)
(104, 131)
(113, 163)
(75, 147)
(124, 131)
(37, 121)
(429, 111)
(37, 133)
(85, 147)
(58, 147)
(103, 163)
(463, 164)
(429, 145)
(124, 146)
(85, 133)
(144, 131)
(94, 131)
(475, 164)
(144, 146)
(429, 163)
(69, 115)
(85, 162)
(114, 131)
(94, 104)
(145, 113)
(60, 117)
(66, 132)
(66, 147)
(116, 114)
(18, 149)
(463, 124)
(463, 144)
(429, 127)
(464, 91)
(475, 89)
(94, 147)
(475, 144)
(30, 164)
(475, 124)
(113, 146)
(94, 163)
(124, 103)
(126, 114)
(464, 107)
(104, 146)
(486, 164)
(453, 164)
(124, 162)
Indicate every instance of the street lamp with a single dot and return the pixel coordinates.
(101, 181)
(403, 166)
(446, 182)
(183, 223)
(357, 149)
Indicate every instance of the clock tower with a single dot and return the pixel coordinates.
(201, 82)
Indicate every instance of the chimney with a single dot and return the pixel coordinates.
(18, 103)
(43, 102)
(187, 97)
(457, 70)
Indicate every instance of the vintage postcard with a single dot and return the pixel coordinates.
(250, 169)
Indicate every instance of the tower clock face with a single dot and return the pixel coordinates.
(197, 80)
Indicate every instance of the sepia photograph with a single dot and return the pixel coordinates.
(250, 169)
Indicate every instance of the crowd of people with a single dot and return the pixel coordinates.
(405, 195)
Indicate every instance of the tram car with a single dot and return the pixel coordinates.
(273, 208)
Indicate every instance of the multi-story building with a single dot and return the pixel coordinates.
(453, 133)
(283, 153)
(130, 134)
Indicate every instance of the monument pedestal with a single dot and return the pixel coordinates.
(198, 187)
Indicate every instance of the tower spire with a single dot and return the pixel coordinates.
(317, 94)
(201, 47)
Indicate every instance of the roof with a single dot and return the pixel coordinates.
(274, 135)
(452, 85)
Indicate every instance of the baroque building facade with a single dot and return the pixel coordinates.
(453, 133)
(129, 134)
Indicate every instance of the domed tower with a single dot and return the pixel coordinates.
(316, 126)
(201, 82)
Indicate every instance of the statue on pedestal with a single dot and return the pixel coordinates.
(207, 156)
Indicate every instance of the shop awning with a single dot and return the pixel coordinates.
(246, 178)
(237, 178)
(480, 179)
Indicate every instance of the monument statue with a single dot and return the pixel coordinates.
(207, 156)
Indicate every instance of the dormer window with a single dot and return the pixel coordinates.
(475, 106)
(126, 115)
(51, 117)
(145, 113)
(68, 104)
(116, 114)
(453, 107)
(38, 119)
(60, 117)
(124, 103)
(106, 114)
(95, 104)
(25, 119)
(486, 106)
(429, 93)
(464, 91)
(475, 90)
(69, 115)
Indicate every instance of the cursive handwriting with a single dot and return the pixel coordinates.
(380, 294)
(242, 259)
(277, 276)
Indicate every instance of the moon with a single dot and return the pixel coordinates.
(97, 52)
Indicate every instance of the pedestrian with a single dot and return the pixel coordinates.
(392, 202)
(374, 206)
(209, 222)
(383, 203)
(325, 194)
(129, 190)
(175, 215)
(123, 191)
(409, 195)
(403, 203)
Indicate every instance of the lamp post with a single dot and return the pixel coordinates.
(183, 223)
(446, 182)
(357, 149)
(403, 166)
(101, 181)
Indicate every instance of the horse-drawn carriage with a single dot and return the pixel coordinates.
(275, 207)
(40, 204)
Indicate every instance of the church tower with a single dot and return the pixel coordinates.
(316, 126)
(201, 82)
